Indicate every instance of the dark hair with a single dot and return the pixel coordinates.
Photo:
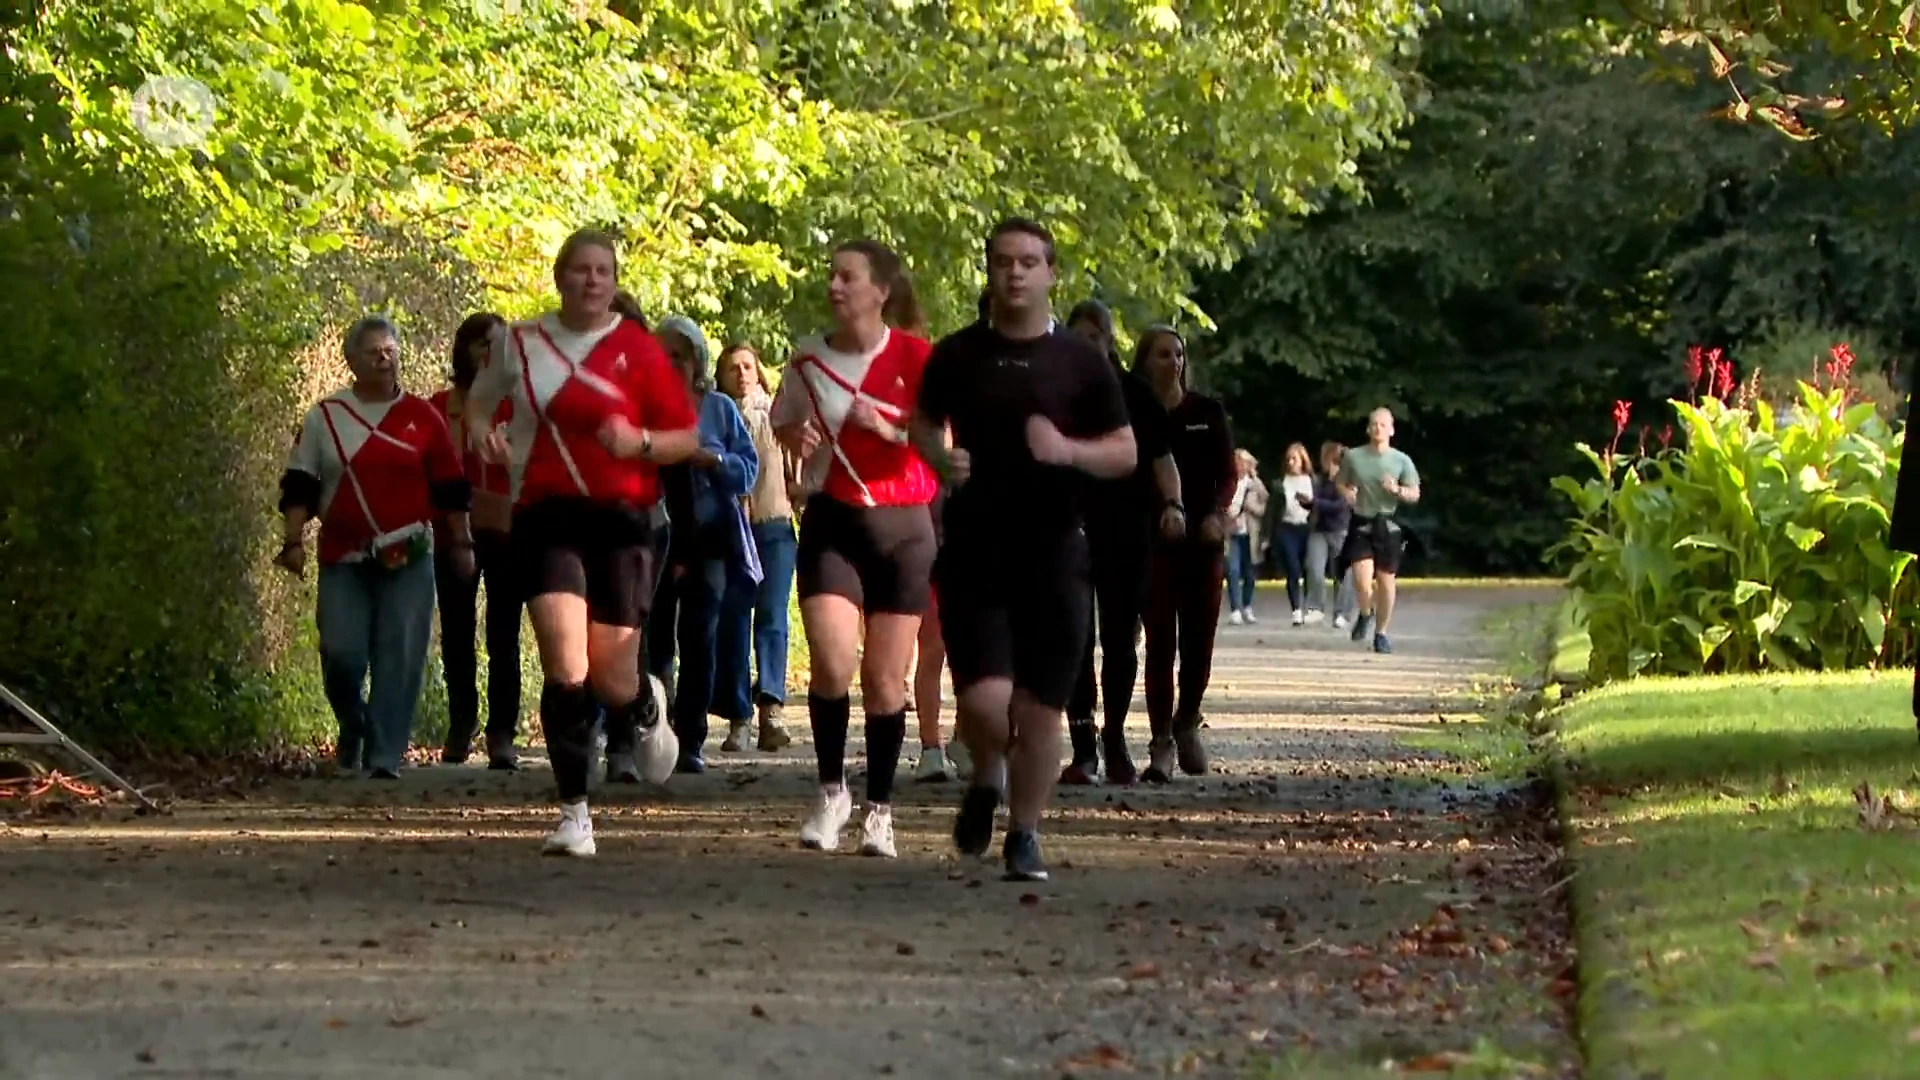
(1145, 346)
(476, 327)
(1100, 315)
(629, 308)
(586, 238)
(885, 269)
(1025, 227)
(1331, 447)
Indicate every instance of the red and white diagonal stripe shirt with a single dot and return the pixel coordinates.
(564, 385)
(377, 463)
(857, 466)
(483, 477)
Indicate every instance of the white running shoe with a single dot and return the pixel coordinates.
(1234, 618)
(933, 767)
(1315, 618)
(574, 837)
(659, 747)
(876, 832)
(822, 829)
(1339, 622)
(1250, 619)
(1299, 618)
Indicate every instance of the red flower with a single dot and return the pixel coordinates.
(1666, 437)
(1622, 411)
(1722, 375)
(1695, 365)
(1840, 367)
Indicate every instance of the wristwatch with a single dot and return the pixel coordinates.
(1174, 505)
(646, 443)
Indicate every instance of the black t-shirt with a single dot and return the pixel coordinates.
(1135, 498)
(987, 386)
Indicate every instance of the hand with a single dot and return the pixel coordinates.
(621, 438)
(863, 414)
(801, 438)
(463, 562)
(1304, 500)
(1173, 523)
(494, 449)
(1213, 528)
(1389, 485)
(293, 559)
(957, 466)
(1048, 446)
(704, 458)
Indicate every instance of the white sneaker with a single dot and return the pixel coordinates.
(933, 767)
(822, 829)
(574, 836)
(1233, 617)
(876, 832)
(658, 746)
(1339, 622)
(960, 758)
(1250, 619)
(1315, 618)
(1299, 618)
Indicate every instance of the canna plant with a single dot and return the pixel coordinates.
(1753, 538)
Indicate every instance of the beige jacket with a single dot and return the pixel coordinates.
(771, 498)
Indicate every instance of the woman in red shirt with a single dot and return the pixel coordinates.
(866, 539)
(374, 465)
(596, 406)
(491, 514)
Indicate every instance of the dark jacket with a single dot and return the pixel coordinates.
(1332, 513)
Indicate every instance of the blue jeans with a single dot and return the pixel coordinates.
(1240, 572)
(1292, 542)
(375, 620)
(754, 617)
(686, 621)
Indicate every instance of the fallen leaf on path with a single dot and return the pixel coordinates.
(1145, 969)
(1763, 960)
(145, 1057)
(406, 1021)
(1029, 899)
(1755, 931)
(904, 949)
(759, 1012)
(334, 1023)
(1445, 1061)
(1104, 1056)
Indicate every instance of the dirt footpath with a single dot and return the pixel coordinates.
(1320, 905)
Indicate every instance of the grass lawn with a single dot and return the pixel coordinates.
(1735, 919)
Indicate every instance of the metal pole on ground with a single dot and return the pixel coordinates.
(53, 736)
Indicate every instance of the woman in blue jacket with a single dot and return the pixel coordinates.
(710, 540)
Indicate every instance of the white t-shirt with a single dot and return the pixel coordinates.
(1291, 488)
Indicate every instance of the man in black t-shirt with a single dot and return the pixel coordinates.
(1034, 410)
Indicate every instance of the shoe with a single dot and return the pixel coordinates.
(1339, 622)
(1315, 618)
(1189, 750)
(503, 764)
(1248, 614)
(1381, 644)
(932, 768)
(739, 734)
(621, 768)
(350, 754)
(659, 747)
(1362, 627)
(1081, 774)
(1160, 758)
(822, 829)
(1022, 853)
(574, 836)
(1119, 763)
(501, 756)
(383, 773)
(876, 832)
(1299, 618)
(1233, 617)
(691, 764)
(451, 756)
(773, 734)
(973, 826)
(960, 759)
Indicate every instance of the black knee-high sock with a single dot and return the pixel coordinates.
(623, 723)
(829, 718)
(886, 733)
(566, 718)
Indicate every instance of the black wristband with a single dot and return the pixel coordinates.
(1174, 504)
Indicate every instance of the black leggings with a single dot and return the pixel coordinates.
(1119, 596)
(1183, 610)
(458, 628)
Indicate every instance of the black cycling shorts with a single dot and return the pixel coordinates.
(879, 557)
(1017, 610)
(1376, 538)
(583, 547)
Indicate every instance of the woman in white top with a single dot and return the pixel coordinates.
(1296, 510)
(1244, 514)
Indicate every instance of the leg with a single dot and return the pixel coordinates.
(883, 688)
(1386, 568)
(1293, 559)
(770, 629)
(402, 629)
(975, 626)
(1047, 624)
(1162, 625)
(503, 645)
(456, 600)
(930, 661)
(700, 592)
(1316, 571)
(1199, 616)
(1119, 594)
(733, 658)
(345, 616)
(1084, 768)
(662, 628)
(1235, 560)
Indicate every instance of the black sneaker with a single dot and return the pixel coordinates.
(1381, 644)
(503, 764)
(1022, 852)
(1362, 627)
(973, 826)
(383, 773)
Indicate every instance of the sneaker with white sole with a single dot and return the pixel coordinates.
(1339, 622)
(1299, 618)
(1248, 615)
(830, 813)
(574, 837)
(659, 747)
(1161, 758)
(933, 767)
(1315, 618)
(1233, 617)
(876, 832)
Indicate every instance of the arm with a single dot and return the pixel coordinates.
(739, 462)
(1239, 501)
(668, 432)
(1328, 497)
(491, 385)
(451, 492)
(792, 412)
(1409, 484)
(1109, 457)
(1222, 454)
(300, 494)
(1166, 477)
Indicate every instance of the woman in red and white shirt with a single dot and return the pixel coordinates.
(596, 406)
(374, 465)
(866, 538)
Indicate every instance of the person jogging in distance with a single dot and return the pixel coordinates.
(1121, 519)
(1376, 479)
(1033, 410)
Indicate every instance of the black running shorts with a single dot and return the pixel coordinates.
(1018, 611)
(879, 557)
(1377, 538)
(597, 550)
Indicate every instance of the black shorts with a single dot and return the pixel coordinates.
(879, 557)
(598, 550)
(1377, 538)
(1016, 609)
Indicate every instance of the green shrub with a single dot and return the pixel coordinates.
(1757, 539)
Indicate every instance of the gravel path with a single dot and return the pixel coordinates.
(1326, 901)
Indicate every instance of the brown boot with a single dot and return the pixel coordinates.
(773, 734)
